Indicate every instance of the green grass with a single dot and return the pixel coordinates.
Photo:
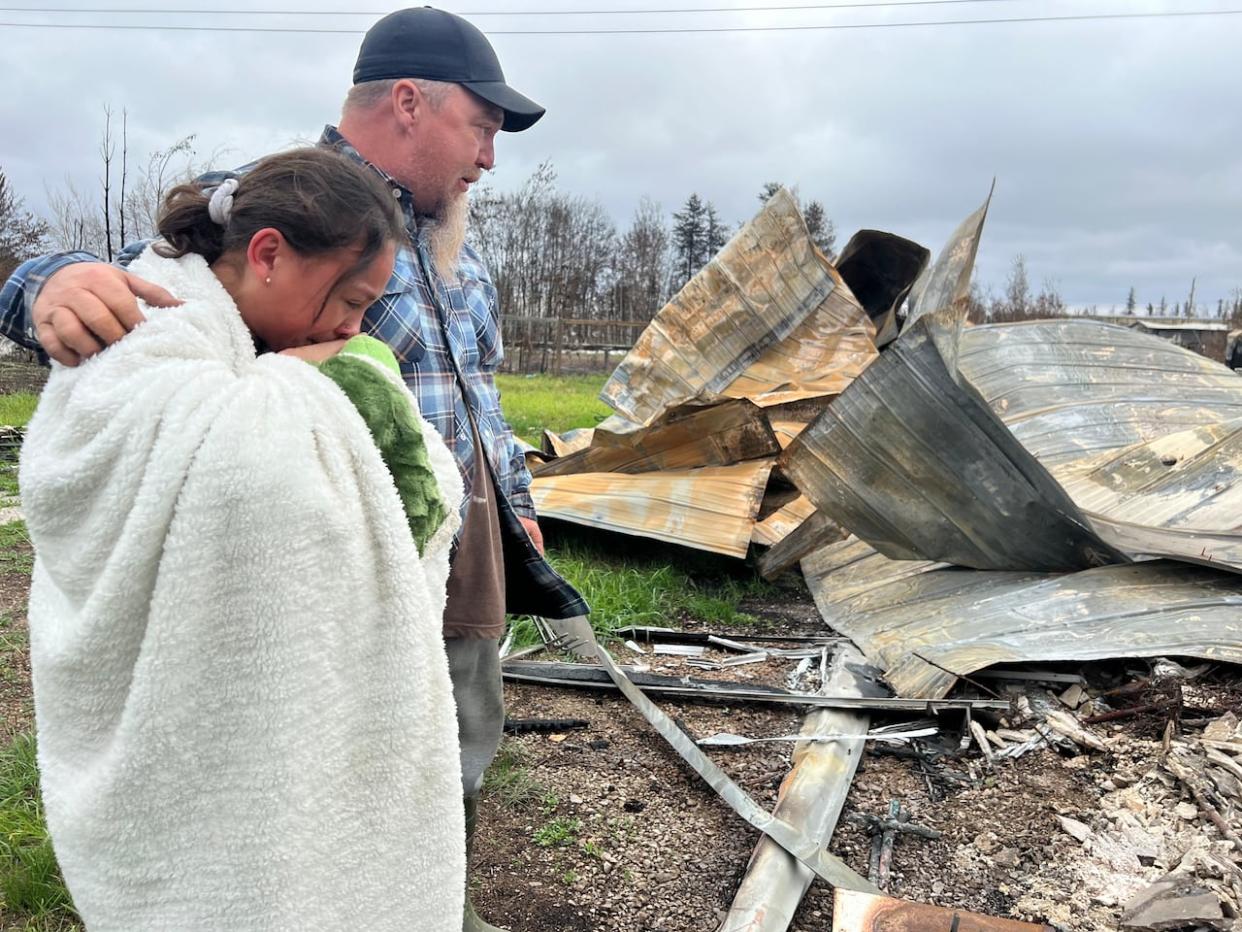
(558, 403)
(646, 585)
(8, 483)
(16, 554)
(30, 885)
(15, 410)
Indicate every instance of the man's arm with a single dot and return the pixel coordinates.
(18, 294)
(71, 305)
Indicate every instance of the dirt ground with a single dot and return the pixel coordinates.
(615, 833)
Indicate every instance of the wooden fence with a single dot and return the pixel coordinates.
(561, 344)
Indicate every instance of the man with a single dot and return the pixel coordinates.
(429, 97)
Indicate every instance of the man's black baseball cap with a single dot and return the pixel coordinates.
(424, 42)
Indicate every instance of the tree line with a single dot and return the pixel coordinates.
(554, 256)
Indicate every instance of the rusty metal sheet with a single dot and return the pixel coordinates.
(853, 911)
(925, 624)
(813, 533)
(712, 508)
(782, 522)
(786, 431)
(716, 436)
(558, 445)
(768, 313)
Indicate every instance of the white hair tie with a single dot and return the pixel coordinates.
(221, 203)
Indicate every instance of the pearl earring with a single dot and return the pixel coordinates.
(268, 280)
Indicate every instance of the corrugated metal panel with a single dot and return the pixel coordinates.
(709, 509)
(767, 313)
(920, 467)
(716, 436)
(912, 459)
(571, 441)
(926, 624)
(782, 522)
(1072, 389)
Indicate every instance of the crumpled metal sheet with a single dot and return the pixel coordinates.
(925, 624)
(713, 508)
(881, 269)
(717, 436)
(1073, 389)
(557, 445)
(951, 445)
(917, 464)
(767, 315)
(912, 459)
(781, 523)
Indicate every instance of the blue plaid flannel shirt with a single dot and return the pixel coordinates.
(407, 319)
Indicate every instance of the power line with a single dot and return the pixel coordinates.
(858, 4)
(1181, 14)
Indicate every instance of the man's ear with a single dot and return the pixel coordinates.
(408, 103)
(264, 250)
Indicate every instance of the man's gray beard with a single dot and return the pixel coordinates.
(448, 235)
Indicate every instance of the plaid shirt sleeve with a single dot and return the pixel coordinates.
(18, 296)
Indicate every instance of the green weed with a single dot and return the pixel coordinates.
(557, 832)
(655, 588)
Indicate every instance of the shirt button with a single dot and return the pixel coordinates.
(396, 192)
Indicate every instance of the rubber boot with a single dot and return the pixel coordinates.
(470, 921)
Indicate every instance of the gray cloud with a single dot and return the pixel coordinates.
(1116, 145)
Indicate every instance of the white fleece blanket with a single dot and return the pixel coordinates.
(244, 713)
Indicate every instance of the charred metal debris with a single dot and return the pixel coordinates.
(1009, 530)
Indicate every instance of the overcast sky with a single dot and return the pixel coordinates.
(1116, 145)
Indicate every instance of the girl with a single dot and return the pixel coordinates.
(244, 713)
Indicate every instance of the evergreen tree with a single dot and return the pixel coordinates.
(769, 188)
(823, 232)
(690, 238)
(715, 233)
(1131, 303)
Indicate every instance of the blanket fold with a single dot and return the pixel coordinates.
(244, 713)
